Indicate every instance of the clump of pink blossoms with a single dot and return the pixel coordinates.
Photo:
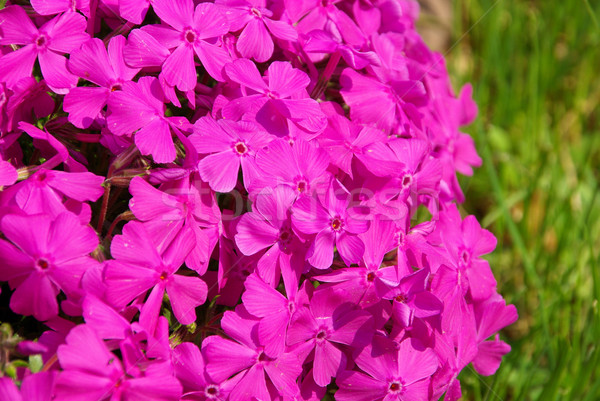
(216, 200)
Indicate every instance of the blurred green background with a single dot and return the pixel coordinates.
(535, 68)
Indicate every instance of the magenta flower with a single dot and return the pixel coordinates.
(92, 373)
(301, 166)
(334, 225)
(255, 22)
(56, 37)
(326, 322)
(51, 7)
(139, 267)
(48, 255)
(192, 31)
(393, 372)
(139, 108)
(229, 145)
(106, 69)
(246, 355)
(281, 96)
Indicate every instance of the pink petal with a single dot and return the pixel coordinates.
(124, 105)
(151, 308)
(302, 327)
(225, 358)
(178, 14)
(14, 262)
(55, 72)
(143, 50)
(210, 21)
(254, 234)
(260, 299)
(281, 29)
(50, 7)
(186, 293)
(8, 173)
(350, 247)
(213, 58)
(133, 10)
(125, 282)
(68, 239)
(91, 63)
(220, 170)
(356, 386)
(252, 386)
(286, 80)
(322, 256)
(38, 387)
(68, 33)
(328, 361)
(35, 296)
(489, 356)
(272, 332)
(179, 69)
(309, 216)
(415, 364)
(17, 28)
(244, 72)
(149, 203)
(79, 186)
(153, 388)
(155, 139)
(353, 328)
(17, 64)
(85, 104)
(255, 42)
(82, 386)
(103, 319)
(30, 233)
(116, 47)
(135, 246)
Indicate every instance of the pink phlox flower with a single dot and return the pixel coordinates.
(190, 31)
(394, 372)
(245, 356)
(269, 226)
(491, 316)
(326, 326)
(274, 310)
(56, 37)
(466, 241)
(139, 108)
(228, 145)
(278, 97)
(92, 373)
(301, 166)
(34, 387)
(412, 299)
(190, 370)
(52, 7)
(134, 10)
(319, 41)
(368, 283)
(108, 70)
(44, 256)
(334, 223)
(255, 22)
(178, 206)
(347, 143)
(26, 101)
(324, 15)
(142, 263)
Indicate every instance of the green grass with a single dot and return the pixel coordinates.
(535, 68)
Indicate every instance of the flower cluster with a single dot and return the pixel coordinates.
(226, 201)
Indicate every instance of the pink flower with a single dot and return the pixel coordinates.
(255, 22)
(334, 225)
(56, 37)
(48, 255)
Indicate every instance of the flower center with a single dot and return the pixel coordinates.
(272, 95)
(395, 387)
(163, 276)
(400, 298)
(301, 187)
(190, 36)
(41, 176)
(407, 180)
(211, 391)
(240, 148)
(42, 264)
(256, 12)
(41, 41)
(465, 258)
(115, 87)
(370, 277)
(284, 236)
(321, 335)
(337, 224)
